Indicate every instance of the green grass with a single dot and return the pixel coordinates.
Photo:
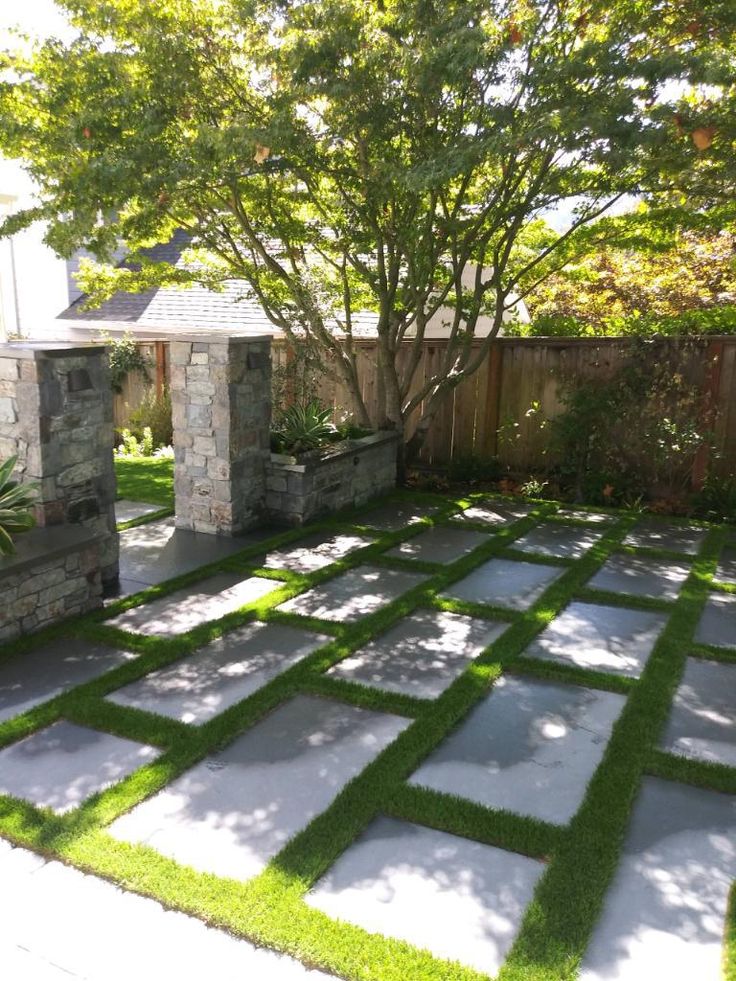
(145, 479)
(269, 909)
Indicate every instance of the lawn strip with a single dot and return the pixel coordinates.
(697, 773)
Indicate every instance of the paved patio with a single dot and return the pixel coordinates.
(395, 728)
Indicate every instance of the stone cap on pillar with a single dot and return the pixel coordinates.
(37, 350)
(216, 338)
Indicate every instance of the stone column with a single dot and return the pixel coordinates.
(221, 413)
(56, 415)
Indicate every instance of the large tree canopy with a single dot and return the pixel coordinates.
(390, 155)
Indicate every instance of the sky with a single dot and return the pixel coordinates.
(39, 17)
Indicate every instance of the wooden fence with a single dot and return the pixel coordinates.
(488, 414)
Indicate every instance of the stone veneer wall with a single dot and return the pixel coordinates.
(324, 481)
(221, 413)
(56, 415)
(55, 574)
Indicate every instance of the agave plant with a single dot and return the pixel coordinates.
(304, 427)
(15, 503)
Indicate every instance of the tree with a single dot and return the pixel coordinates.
(389, 155)
(616, 290)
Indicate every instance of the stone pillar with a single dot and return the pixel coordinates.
(56, 415)
(221, 413)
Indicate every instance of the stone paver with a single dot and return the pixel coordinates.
(498, 513)
(664, 913)
(38, 675)
(443, 545)
(191, 606)
(392, 517)
(234, 811)
(421, 655)
(593, 517)
(602, 638)
(558, 540)
(315, 552)
(64, 764)
(717, 625)
(354, 594)
(530, 746)
(224, 672)
(62, 925)
(650, 533)
(130, 510)
(459, 899)
(726, 571)
(702, 723)
(637, 575)
(152, 553)
(503, 582)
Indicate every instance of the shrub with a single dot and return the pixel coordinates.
(713, 320)
(16, 501)
(131, 446)
(154, 413)
(302, 428)
(125, 356)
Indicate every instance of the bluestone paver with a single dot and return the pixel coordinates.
(651, 533)
(191, 606)
(558, 540)
(30, 678)
(315, 552)
(420, 655)
(494, 513)
(440, 544)
(64, 764)
(503, 582)
(639, 575)
(663, 916)
(602, 638)
(726, 571)
(592, 517)
(717, 624)
(62, 925)
(234, 811)
(459, 899)
(130, 510)
(354, 594)
(220, 674)
(530, 746)
(394, 516)
(702, 722)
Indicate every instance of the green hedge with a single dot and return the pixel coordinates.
(714, 320)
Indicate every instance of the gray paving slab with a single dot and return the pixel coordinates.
(421, 655)
(717, 624)
(702, 722)
(593, 517)
(503, 582)
(220, 674)
(152, 553)
(663, 916)
(558, 540)
(495, 513)
(191, 606)
(461, 900)
(36, 676)
(726, 571)
(530, 747)
(64, 764)
(394, 516)
(602, 638)
(314, 552)
(60, 924)
(440, 544)
(654, 533)
(355, 594)
(234, 811)
(130, 510)
(639, 575)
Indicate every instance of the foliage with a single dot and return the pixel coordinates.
(633, 436)
(689, 287)
(716, 500)
(16, 501)
(132, 446)
(342, 157)
(303, 427)
(297, 377)
(125, 357)
(154, 412)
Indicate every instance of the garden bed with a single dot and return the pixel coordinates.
(348, 473)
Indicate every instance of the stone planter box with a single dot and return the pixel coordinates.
(55, 574)
(311, 485)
